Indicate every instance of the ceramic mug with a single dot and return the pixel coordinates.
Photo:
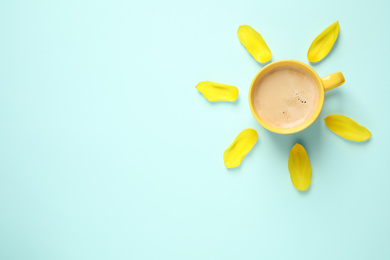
(323, 84)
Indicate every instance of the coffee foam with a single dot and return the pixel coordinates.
(286, 97)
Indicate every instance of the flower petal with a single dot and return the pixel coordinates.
(242, 145)
(347, 128)
(323, 43)
(254, 43)
(299, 167)
(217, 92)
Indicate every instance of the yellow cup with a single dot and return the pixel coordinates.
(323, 84)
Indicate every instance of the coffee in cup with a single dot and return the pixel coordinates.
(286, 97)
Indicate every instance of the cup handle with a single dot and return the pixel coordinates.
(333, 81)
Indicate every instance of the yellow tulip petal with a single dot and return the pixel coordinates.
(243, 143)
(347, 128)
(217, 92)
(323, 43)
(254, 43)
(299, 167)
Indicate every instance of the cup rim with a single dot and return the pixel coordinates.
(293, 63)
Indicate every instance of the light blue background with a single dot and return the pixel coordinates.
(107, 151)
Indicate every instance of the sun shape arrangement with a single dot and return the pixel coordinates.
(298, 161)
